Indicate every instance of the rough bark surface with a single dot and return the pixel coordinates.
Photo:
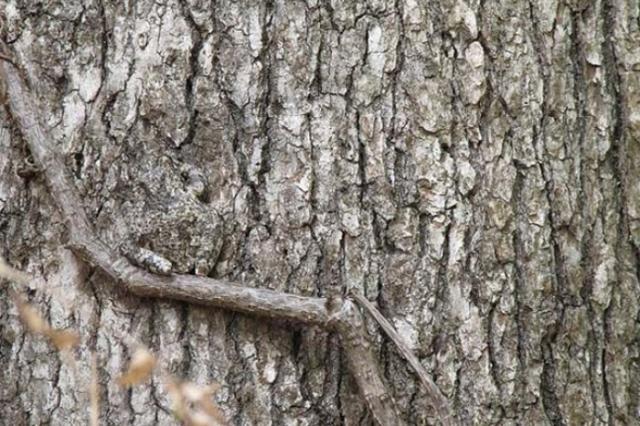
(472, 167)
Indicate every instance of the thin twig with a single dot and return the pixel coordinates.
(201, 290)
(436, 399)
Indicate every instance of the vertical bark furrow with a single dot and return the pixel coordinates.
(617, 335)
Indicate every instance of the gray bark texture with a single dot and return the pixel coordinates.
(471, 167)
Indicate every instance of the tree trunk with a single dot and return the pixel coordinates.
(472, 168)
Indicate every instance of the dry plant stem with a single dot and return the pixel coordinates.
(438, 401)
(200, 290)
(359, 354)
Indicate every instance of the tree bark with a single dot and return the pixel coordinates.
(471, 167)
